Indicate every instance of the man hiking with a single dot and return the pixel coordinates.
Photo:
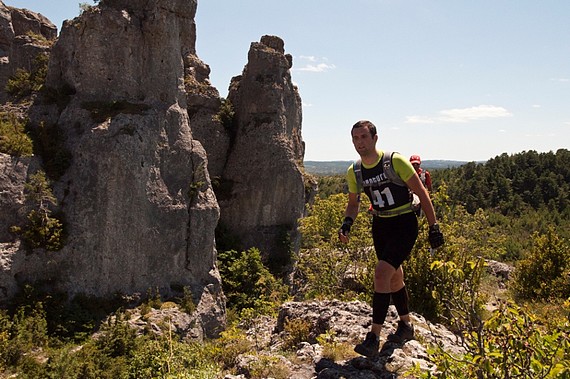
(387, 181)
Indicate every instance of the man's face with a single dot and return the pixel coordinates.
(363, 142)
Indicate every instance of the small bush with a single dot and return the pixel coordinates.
(326, 268)
(41, 230)
(187, 303)
(247, 283)
(117, 338)
(165, 357)
(232, 343)
(25, 82)
(13, 138)
(39, 39)
(226, 115)
(333, 349)
(545, 273)
(510, 344)
(264, 366)
(296, 331)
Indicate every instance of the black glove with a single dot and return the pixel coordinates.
(345, 227)
(435, 236)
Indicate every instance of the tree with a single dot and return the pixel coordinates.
(41, 230)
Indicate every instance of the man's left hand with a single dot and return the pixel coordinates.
(435, 236)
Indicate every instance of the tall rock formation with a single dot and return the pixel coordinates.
(139, 209)
(263, 193)
(140, 131)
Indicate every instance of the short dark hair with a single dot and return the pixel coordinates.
(365, 124)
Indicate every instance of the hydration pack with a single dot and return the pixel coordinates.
(389, 171)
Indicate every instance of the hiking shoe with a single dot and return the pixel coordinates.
(405, 332)
(369, 347)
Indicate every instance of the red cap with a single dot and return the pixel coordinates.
(415, 159)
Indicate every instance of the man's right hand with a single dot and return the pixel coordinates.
(345, 229)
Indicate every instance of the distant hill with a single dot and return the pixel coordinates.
(339, 167)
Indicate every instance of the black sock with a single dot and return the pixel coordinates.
(380, 304)
(400, 299)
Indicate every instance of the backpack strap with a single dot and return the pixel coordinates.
(389, 169)
(357, 167)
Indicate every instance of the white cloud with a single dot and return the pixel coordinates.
(306, 105)
(311, 63)
(309, 58)
(461, 115)
(536, 106)
(321, 67)
(561, 80)
(419, 120)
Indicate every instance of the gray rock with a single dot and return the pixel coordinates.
(264, 192)
(134, 107)
(13, 174)
(139, 208)
(18, 47)
(346, 323)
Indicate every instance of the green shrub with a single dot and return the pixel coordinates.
(13, 138)
(327, 268)
(432, 279)
(117, 337)
(226, 115)
(25, 82)
(545, 273)
(86, 362)
(25, 333)
(268, 367)
(187, 303)
(232, 343)
(296, 331)
(247, 283)
(334, 349)
(456, 269)
(165, 357)
(41, 230)
(39, 39)
(510, 344)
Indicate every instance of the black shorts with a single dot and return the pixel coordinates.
(394, 237)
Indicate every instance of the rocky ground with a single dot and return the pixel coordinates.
(341, 325)
(332, 329)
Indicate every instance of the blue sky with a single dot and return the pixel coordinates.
(449, 79)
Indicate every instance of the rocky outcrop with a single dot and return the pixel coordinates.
(129, 102)
(24, 35)
(345, 324)
(262, 194)
(139, 208)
